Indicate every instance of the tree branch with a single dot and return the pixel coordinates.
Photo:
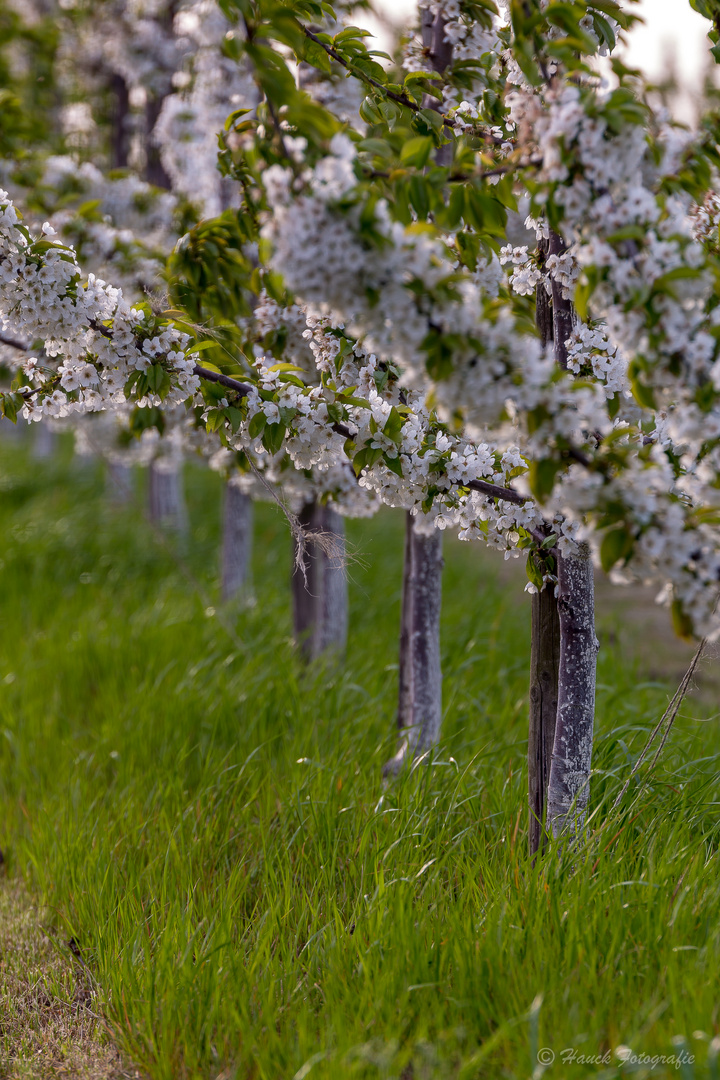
(215, 376)
(21, 346)
(401, 99)
(245, 388)
(496, 492)
(481, 486)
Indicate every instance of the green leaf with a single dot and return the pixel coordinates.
(616, 544)
(350, 399)
(235, 417)
(256, 424)
(366, 458)
(394, 425)
(682, 623)
(416, 151)
(394, 464)
(604, 30)
(215, 420)
(369, 111)
(643, 394)
(583, 292)
(542, 477)
(9, 406)
(419, 199)
(378, 147)
(201, 346)
(273, 437)
(534, 570)
(316, 56)
(420, 76)
(230, 122)
(156, 378)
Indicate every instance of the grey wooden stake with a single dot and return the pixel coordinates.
(236, 541)
(319, 588)
(419, 671)
(544, 664)
(166, 497)
(569, 786)
(119, 482)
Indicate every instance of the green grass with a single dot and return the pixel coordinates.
(208, 820)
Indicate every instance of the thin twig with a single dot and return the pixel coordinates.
(464, 178)
(670, 715)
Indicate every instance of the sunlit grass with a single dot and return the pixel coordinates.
(209, 823)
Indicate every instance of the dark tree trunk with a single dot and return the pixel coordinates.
(154, 168)
(319, 588)
(543, 306)
(565, 676)
(544, 664)
(569, 785)
(420, 675)
(562, 308)
(544, 647)
(236, 541)
(304, 585)
(439, 53)
(438, 50)
(120, 144)
(332, 626)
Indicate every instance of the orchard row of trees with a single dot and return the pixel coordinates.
(476, 281)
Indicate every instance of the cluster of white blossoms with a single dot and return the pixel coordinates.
(168, 57)
(120, 227)
(706, 220)
(103, 345)
(419, 381)
(409, 460)
(43, 297)
(206, 88)
(469, 39)
(602, 180)
(273, 478)
(526, 274)
(589, 350)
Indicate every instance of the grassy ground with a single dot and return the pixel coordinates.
(206, 825)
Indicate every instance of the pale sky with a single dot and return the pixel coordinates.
(670, 27)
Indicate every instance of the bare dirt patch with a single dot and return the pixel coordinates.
(49, 1026)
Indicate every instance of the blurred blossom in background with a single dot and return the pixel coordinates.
(670, 46)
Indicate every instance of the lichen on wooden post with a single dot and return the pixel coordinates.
(420, 672)
(569, 786)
